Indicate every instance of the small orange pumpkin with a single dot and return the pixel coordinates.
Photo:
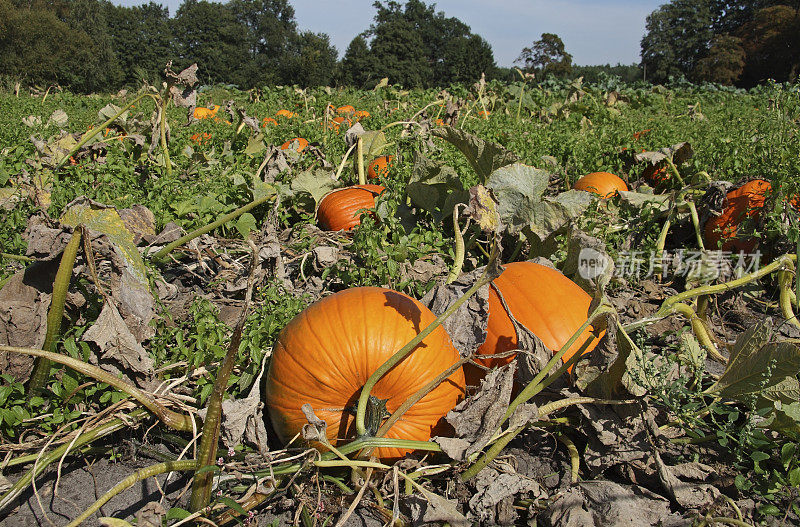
(484, 114)
(301, 144)
(205, 113)
(269, 120)
(336, 122)
(542, 299)
(604, 184)
(201, 138)
(325, 354)
(347, 109)
(746, 201)
(379, 166)
(286, 113)
(337, 210)
(655, 175)
(361, 114)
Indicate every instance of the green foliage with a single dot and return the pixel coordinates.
(547, 56)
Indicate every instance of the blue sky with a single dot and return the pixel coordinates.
(594, 31)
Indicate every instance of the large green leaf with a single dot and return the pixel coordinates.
(518, 188)
(758, 367)
(434, 187)
(552, 214)
(484, 156)
(317, 183)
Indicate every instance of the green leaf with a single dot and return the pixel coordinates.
(176, 513)
(245, 224)
(316, 182)
(255, 144)
(553, 214)
(373, 143)
(518, 188)
(757, 368)
(233, 505)
(484, 156)
(431, 185)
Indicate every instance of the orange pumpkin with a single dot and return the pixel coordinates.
(542, 299)
(325, 354)
(655, 175)
(379, 166)
(301, 144)
(361, 114)
(744, 202)
(605, 184)
(338, 121)
(484, 114)
(337, 210)
(286, 113)
(269, 120)
(201, 138)
(206, 113)
(347, 109)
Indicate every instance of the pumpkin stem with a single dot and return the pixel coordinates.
(375, 414)
(361, 411)
(696, 223)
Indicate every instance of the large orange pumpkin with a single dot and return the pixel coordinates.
(605, 184)
(542, 299)
(744, 202)
(379, 166)
(337, 210)
(325, 354)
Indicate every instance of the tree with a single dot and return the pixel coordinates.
(724, 63)
(208, 33)
(100, 71)
(547, 56)
(142, 40)
(271, 34)
(310, 61)
(398, 54)
(446, 51)
(358, 65)
(678, 35)
(772, 43)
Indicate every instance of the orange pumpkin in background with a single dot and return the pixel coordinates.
(347, 109)
(325, 354)
(205, 113)
(605, 184)
(379, 166)
(301, 144)
(269, 120)
(746, 201)
(338, 209)
(542, 299)
(286, 113)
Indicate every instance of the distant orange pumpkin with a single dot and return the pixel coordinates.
(745, 202)
(269, 120)
(206, 113)
(604, 184)
(286, 113)
(301, 144)
(345, 109)
(379, 166)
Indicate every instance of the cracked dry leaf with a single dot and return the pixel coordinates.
(603, 503)
(467, 325)
(691, 496)
(120, 351)
(476, 418)
(432, 508)
(493, 488)
(243, 419)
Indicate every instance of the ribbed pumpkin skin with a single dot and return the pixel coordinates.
(379, 166)
(746, 201)
(325, 354)
(545, 301)
(605, 184)
(337, 211)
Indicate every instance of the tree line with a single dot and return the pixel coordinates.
(94, 45)
(741, 42)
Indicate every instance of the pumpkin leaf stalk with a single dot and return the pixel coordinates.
(55, 314)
